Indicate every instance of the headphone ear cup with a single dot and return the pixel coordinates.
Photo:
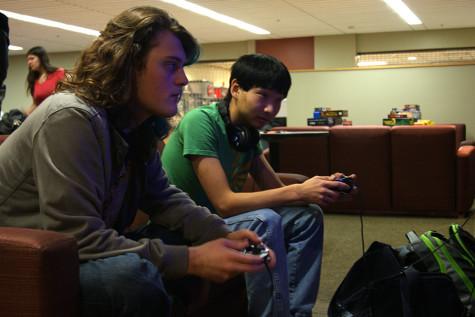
(245, 138)
(236, 137)
(255, 137)
(241, 138)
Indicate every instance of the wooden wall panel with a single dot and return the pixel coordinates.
(295, 53)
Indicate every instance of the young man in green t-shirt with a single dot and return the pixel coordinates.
(209, 156)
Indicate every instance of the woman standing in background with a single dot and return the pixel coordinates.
(42, 76)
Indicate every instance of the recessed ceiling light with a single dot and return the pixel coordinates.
(217, 16)
(54, 24)
(412, 58)
(404, 12)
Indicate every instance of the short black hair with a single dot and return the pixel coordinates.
(262, 71)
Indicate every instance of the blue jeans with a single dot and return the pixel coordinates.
(126, 285)
(123, 285)
(295, 234)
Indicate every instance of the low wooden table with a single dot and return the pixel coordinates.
(274, 138)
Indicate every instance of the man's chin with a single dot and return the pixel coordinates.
(172, 111)
(261, 125)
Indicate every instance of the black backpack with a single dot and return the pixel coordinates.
(454, 256)
(11, 121)
(378, 285)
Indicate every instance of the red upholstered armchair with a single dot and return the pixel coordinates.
(3, 137)
(38, 273)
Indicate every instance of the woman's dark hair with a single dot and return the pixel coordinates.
(262, 71)
(41, 53)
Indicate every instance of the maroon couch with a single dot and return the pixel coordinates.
(413, 170)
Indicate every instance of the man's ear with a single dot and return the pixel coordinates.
(234, 89)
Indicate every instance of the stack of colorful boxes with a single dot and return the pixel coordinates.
(328, 117)
(406, 116)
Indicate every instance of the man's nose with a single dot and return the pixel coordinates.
(182, 80)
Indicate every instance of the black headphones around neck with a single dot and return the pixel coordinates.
(241, 138)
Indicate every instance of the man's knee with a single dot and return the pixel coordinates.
(269, 218)
(260, 221)
(122, 284)
(316, 210)
(315, 214)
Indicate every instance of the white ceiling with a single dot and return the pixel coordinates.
(283, 18)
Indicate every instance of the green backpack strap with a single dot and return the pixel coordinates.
(462, 239)
(432, 243)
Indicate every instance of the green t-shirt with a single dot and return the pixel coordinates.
(202, 131)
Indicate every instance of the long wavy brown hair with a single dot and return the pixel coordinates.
(103, 73)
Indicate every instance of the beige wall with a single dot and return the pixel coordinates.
(226, 51)
(445, 94)
(335, 51)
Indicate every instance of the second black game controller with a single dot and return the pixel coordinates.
(348, 181)
(258, 249)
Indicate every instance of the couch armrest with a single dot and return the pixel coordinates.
(292, 178)
(39, 273)
(467, 142)
(465, 179)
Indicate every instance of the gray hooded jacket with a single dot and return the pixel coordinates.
(65, 169)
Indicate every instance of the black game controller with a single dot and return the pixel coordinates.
(258, 249)
(348, 181)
